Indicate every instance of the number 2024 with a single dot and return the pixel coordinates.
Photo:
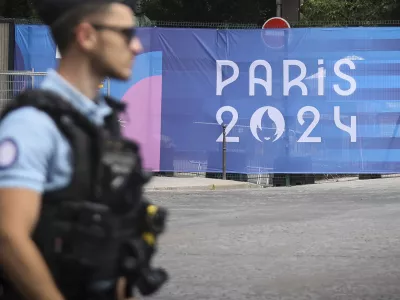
(304, 138)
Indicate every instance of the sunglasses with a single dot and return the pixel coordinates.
(128, 32)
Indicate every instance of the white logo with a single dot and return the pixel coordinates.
(8, 153)
(274, 114)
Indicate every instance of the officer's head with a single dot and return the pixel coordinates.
(98, 33)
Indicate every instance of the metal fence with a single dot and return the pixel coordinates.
(146, 22)
(14, 82)
(296, 24)
(11, 83)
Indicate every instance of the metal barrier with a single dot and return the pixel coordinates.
(14, 82)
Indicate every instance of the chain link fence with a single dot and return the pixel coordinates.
(11, 83)
(297, 24)
(144, 21)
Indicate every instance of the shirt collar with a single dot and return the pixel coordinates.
(94, 110)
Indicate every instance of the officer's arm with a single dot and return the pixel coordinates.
(26, 146)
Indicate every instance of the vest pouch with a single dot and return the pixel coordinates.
(122, 178)
(91, 237)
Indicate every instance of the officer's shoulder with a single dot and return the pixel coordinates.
(30, 118)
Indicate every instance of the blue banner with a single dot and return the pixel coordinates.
(304, 100)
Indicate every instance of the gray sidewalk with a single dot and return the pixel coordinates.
(200, 183)
(158, 183)
(195, 183)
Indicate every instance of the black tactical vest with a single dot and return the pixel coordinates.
(82, 225)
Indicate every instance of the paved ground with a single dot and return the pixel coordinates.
(325, 241)
(195, 183)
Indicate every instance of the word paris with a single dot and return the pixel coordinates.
(280, 127)
(287, 84)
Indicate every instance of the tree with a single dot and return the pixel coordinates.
(233, 11)
(347, 10)
(22, 9)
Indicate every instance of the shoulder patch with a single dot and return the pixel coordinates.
(8, 153)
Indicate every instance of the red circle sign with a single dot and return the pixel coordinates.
(276, 22)
(274, 38)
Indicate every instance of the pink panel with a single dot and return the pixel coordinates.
(143, 119)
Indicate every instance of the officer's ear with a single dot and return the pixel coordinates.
(86, 36)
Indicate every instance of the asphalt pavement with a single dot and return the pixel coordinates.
(337, 240)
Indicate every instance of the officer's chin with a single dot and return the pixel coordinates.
(123, 75)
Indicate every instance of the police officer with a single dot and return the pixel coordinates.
(96, 39)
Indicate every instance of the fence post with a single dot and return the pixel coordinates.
(224, 152)
(33, 78)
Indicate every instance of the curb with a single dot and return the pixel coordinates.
(212, 187)
(336, 180)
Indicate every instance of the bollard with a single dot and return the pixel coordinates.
(224, 152)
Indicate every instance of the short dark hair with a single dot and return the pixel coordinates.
(63, 29)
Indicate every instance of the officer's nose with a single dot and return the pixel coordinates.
(136, 46)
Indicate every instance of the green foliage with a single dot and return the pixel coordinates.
(347, 10)
(240, 11)
(22, 9)
(244, 11)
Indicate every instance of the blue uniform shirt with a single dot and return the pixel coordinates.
(33, 152)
